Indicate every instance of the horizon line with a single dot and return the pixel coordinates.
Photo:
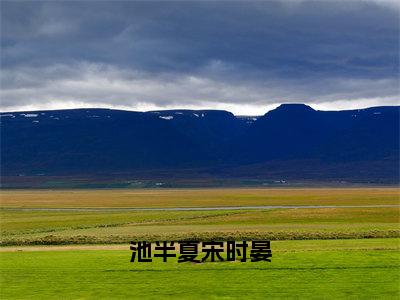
(188, 109)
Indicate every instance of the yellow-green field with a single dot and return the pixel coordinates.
(199, 197)
(75, 243)
(77, 227)
(20, 226)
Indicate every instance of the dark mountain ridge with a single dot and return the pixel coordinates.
(286, 142)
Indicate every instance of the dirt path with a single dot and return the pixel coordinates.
(194, 208)
(63, 248)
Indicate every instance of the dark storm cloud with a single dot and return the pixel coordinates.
(198, 53)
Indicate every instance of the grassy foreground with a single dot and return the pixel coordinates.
(334, 269)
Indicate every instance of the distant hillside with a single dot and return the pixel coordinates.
(292, 141)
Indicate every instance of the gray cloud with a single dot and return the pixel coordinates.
(243, 56)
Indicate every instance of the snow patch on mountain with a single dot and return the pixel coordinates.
(166, 117)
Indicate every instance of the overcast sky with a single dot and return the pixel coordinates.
(246, 57)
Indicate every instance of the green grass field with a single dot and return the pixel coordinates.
(332, 269)
(331, 253)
